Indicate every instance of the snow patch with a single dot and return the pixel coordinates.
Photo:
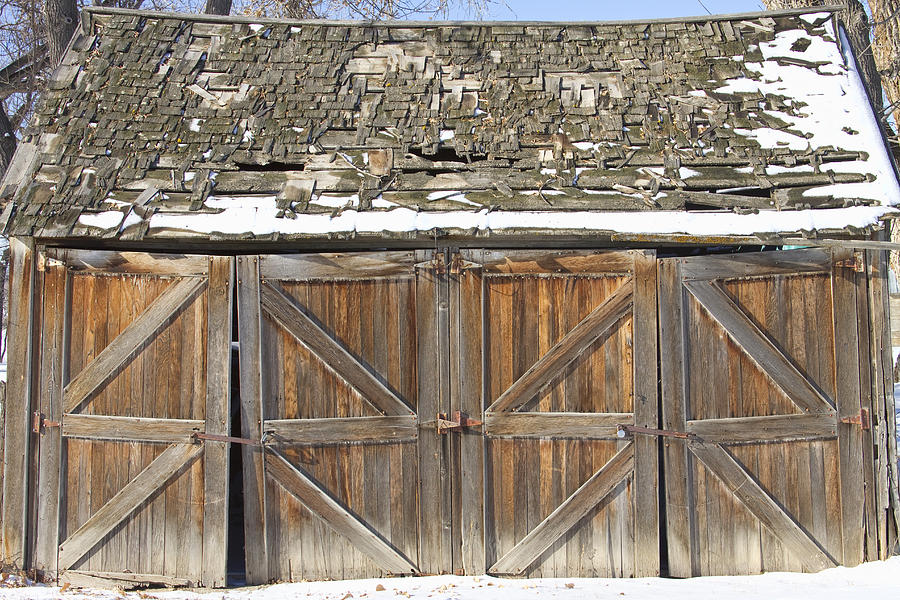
(875, 580)
(442, 194)
(102, 220)
(257, 215)
(811, 18)
(836, 113)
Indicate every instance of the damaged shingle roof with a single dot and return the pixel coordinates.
(162, 125)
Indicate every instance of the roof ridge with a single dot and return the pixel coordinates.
(204, 18)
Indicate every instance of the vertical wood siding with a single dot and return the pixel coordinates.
(348, 361)
(373, 321)
(772, 359)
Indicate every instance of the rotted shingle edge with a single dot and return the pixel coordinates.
(170, 126)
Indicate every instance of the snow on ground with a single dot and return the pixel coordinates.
(873, 581)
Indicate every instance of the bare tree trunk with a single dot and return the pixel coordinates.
(62, 19)
(217, 7)
(8, 140)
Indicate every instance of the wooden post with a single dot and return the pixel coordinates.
(866, 400)
(680, 526)
(887, 502)
(218, 417)
(249, 326)
(53, 358)
(846, 350)
(432, 329)
(466, 347)
(646, 448)
(17, 406)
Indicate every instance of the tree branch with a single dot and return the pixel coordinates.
(8, 140)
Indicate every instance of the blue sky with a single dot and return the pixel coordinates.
(605, 10)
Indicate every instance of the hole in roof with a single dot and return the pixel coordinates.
(754, 192)
(446, 154)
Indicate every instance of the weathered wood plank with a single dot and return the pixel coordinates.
(759, 347)
(218, 420)
(457, 443)
(775, 428)
(558, 425)
(104, 261)
(865, 365)
(882, 308)
(151, 480)
(131, 429)
(755, 264)
(337, 265)
(567, 514)
(646, 403)
(122, 349)
(570, 347)
(119, 581)
(54, 354)
(469, 397)
(17, 405)
(484, 179)
(256, 533)
(335, 514)
(763, 506)
(331, 352)
(431, 330)
(847, 397)
(680, 516)
(322, 432)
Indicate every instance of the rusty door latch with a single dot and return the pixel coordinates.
(624, 431)
(854, 262)
(457, 421)
(39, 422)
(212, 437)
(862, 419)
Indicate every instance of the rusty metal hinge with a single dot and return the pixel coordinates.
(854, 262)
(39, 423)
(458, 422)
(212, 437)
(624, 431)
(458, 265)
(861, 419)
(437, 264)
(44, 261)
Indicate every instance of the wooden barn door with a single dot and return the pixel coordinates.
(134, 363)
(554, 350)
(336, 352)
(765, 368)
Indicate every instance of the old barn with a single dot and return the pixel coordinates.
(540, 299)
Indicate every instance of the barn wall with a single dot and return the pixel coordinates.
(479, 282)
(17, 407)
(884, 315)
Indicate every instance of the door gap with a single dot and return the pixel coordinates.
(236, 567)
